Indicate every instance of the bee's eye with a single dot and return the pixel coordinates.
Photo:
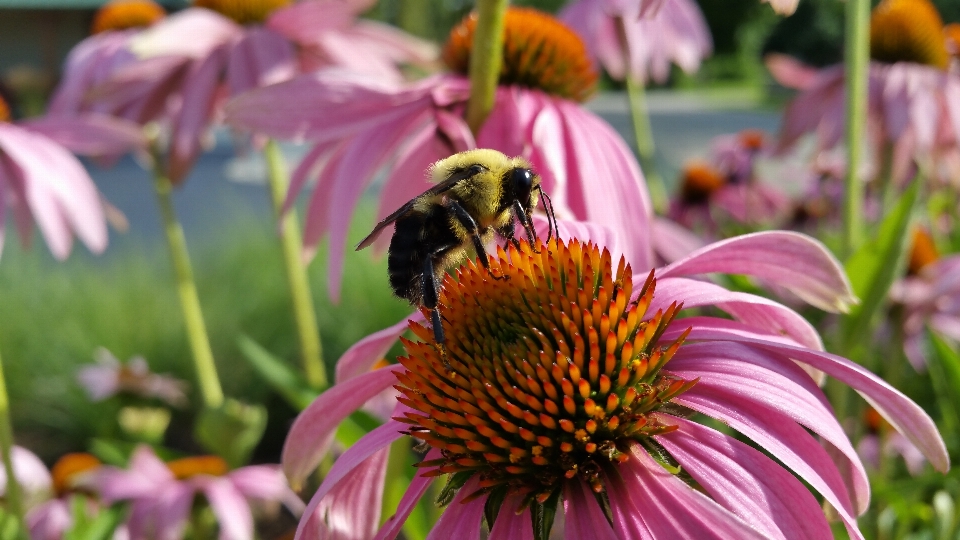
(522, 180)
(476, 169)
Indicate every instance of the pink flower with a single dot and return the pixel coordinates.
(36, 484)
(110, 377)
(552, 393)
(914, 103)
(162, 494)
(881, 442)
(643, 48)
(361, 125)
(183, 67)
(649, 8)
(40, 181)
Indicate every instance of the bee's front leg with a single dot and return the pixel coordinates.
(524, 220)
(431, 301)
(468, 223)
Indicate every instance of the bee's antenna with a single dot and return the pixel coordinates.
(551, 216)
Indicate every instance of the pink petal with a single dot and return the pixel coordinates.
(746, 482)
(90, 134)
(671, 241)
(170, 510)
(583, 519)
(35, 481)
(49, 521)
(312, 432)
(362, 355)
(790, 72)
(315, 224)
(193, 32)
(460, 520)
(260, 58)
(511, 525)
(674, 510)
(795, 261)
(267, 483)
(199, 95)
(415, 491)
(304, 21)
(232, 511)
(87, 64)
(756, 311)
(353, 477)
(306, 169)
(783, 7)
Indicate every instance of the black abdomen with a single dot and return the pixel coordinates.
(416, 237)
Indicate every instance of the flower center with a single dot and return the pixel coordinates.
(553, 372)
(922, 251)
(752, 139)
(908, 31)
(243, 11)
(5, 113)
(699, 181)
(123, 14)
(538, 52)
(69, 469)
(196, 465)
(951, 33)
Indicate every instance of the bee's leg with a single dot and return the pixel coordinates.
(470, 225)
(509, 232)
(527, 224)
(431, 301)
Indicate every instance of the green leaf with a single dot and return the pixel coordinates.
(543, 515)
(100, 526)
(491, 509)
(454, 483)
(876, 264)
(231, 431)
(944, 368)
(277, 373)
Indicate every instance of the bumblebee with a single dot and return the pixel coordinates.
(477, 193)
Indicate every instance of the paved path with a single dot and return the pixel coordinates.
(223, 189)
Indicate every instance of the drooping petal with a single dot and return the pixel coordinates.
(790, 72)
(583, 519)
(261, 57)
(792, 260)
(265, 482)
(362, 355)
(90, 134)
(460, 520)
(512, 524)
(35, 481)
(746, 482)
(668, 507)
(199, 98)
(193, 32)
(415, 491)
(49, 521)
(171, 508)
(232, 511)
(352, 478)
(312, 433)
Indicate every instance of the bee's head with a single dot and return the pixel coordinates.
(521, 182)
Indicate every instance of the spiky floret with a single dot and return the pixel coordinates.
(124, 14)
(908, 31)
(243, 11)
(539, 52)
(553, 371)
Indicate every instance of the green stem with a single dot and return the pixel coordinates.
(646, 148)
(187, 289)
(486, 59)
(857, 63)
(13, 496)
(292, 246)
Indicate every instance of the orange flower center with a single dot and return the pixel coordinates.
(908, 31)
(553, 372)
(951, 33)
(123, 14)
(70, 468)
(699, 181)
(922, 252)
(243, 11)
(752, 139)
(5, 113)
(538, 52)
(196, 465)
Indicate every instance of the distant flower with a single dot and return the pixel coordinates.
(729, 183)
(111, 377)
(581, 384)
(643, 48)
(179, 70)
(162, 494)
(40, 181)
(360, 125)
(882, 442)
(35, 482)
(649, 8)
(930, 296)
(914, 103)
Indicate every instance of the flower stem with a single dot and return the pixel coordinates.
(187, 289)
(857, 62)
(292, 246)
(13, 497)
(486, 58)
(646, 148)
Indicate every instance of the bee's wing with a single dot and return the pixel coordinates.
(434, 190)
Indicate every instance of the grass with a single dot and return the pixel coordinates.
(54, 315)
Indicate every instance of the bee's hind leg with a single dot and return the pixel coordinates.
(431, 301)
(470, 225)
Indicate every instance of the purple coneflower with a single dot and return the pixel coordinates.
(161, 494)
(110, 377)
(914, 102)
(362, 124)
(571, 388)
(642, 48)
(649, 8)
